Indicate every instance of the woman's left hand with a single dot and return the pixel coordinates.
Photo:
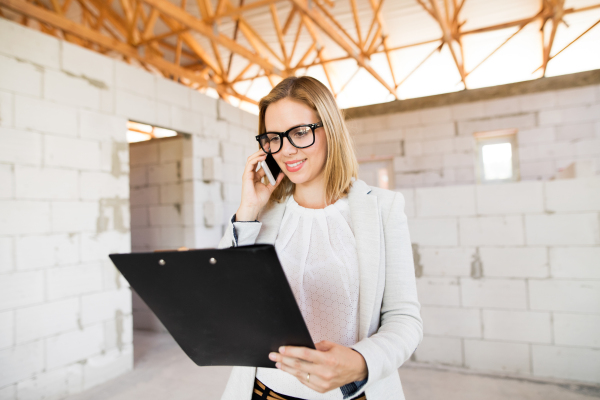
(330, 366)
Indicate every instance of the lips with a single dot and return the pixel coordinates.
(294, 165)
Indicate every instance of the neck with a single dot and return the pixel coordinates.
(311, 194)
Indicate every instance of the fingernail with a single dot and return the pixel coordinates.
(272, 356)
(278, 365)
(282, 349)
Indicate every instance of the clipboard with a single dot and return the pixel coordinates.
(222, 306)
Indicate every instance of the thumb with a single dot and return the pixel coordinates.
(324, 345)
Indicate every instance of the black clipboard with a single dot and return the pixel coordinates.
(222, 306)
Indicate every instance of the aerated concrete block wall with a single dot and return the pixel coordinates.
(65, 312)
(508, 276)
(435, 146)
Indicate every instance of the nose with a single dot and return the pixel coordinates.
(288, 149)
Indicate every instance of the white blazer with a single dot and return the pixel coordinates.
(390, 324)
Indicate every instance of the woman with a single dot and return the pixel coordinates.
(344, 247)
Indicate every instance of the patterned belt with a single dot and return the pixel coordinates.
(264, 392)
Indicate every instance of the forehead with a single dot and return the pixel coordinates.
(286, 113)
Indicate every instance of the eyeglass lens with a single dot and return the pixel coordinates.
(302, 136)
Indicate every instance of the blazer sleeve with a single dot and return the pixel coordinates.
(240, 233)
(401, 326)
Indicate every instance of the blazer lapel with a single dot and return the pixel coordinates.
(366, 226)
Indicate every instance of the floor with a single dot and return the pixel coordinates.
(163, 371)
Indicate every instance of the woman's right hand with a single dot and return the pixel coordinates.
(255, 194)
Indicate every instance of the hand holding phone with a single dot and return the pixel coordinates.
(271, 169)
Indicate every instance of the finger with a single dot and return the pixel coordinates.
(324, 345)
(303, 353)
(252, 162)
(259, 175)
(277, 182)
(315, 382)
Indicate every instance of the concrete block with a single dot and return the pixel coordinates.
(578, 95)
(47, 319)
(164, 173)
(74, 346)
(165, 215)
(96, 246)
(144, 196)
(45, 116)
(435, 115)
(537, 101)
(464, 145)
(232, 153)
(408, 118)
(74, 216)
(567, 296)
(98, 126)
(458, 160)
(163, 114)
(514, 262)
(65, 282)
(229, 113)
(20, 362)
(118, 332)
(413, 149)
(20, 289)
(212, 169)
(172, 237)
(566, 362)
(24, 217)
(566, 195)
(434, 231)
(536, 135)
(54, 384)
(497, 356)
(146, 238)
(87, 64)
(575, 262)
(20, 77)
(522, 121)
(104, 306)
(537, 170)
(191, 168)
(445, 201)
(143, 153)
(465, 111)
(377, 123)
(101, 368)
(7, 179)
(517, 326)
(135, 80)
(510, 198)
(28, 44)
(491, 231)
(576, 330)
(575, 132)
(33, 251)
(213, 213)
(8, 392)
(139, 217)
(7, 257)
(135, 107)
(232, 192)
(562, 229)
(171, 194)
(71, 153)
(20, 147)
(170, 150)
(184, 120)
(103, 185)
(444, 261)
(439, 146)
(503, 106)
(205, 147)
(7, 101)
(70, 90)
(584, 147)
(440, 130)
(46, 183)
(453, 322)
(205, 105)
(213, 128)
(172, 92)
(7, 329)
(438, 291)
(494, 293)
(440, 350)
(250, 121)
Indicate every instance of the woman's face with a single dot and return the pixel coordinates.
(299, 165)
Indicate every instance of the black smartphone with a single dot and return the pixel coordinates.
(273, 166)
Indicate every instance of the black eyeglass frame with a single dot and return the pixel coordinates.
(285, 134)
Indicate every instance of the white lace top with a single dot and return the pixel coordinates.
(317, 251)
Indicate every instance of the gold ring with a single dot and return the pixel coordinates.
(308, 377)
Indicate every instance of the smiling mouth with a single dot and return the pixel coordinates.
(295, 164)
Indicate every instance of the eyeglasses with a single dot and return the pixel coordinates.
(301, 136)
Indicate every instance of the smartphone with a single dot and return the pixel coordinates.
(271, 168)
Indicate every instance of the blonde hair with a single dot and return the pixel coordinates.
(340, 165)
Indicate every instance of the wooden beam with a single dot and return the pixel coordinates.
(239, 10)
(188, 20)
(289, 20)
(163, 36)
(277, 26)
(82, 32)
(356, 23)
(335, 22)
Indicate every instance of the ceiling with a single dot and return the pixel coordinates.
(365, 51)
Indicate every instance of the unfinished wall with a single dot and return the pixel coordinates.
(65, 312)
(434, 146)
(508, 276)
